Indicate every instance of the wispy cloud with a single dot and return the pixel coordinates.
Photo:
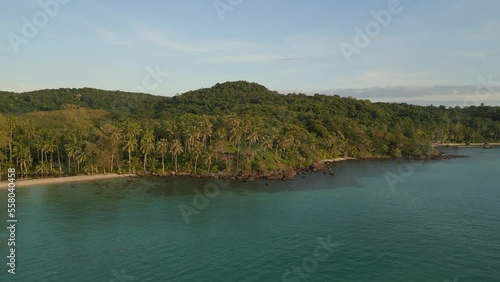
(110, 36)
(215, 50)
(369, 79)
(460, 95)
(258, 58)
(163, 41)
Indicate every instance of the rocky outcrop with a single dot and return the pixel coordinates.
(318, 166)
(290, 174)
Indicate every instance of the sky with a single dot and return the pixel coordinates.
(419, 52)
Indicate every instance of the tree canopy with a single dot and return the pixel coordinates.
(233, 127)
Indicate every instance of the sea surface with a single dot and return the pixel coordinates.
(382, 220)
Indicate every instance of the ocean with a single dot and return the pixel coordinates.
(373, 220)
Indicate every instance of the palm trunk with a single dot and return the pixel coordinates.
(195, 164)
(69, 164)
(119, 167)
(10, 146)
(129, 161)
(175, 163)
(238, 159)
(163, 162)
(59, 160)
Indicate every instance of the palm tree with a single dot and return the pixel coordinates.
(50, 147)
(4, 143)
(147, 145)
(109, 139)
(132, 129)
(42, 168)
(57, 137)
(220, 149)
(40, 145)
(249, 156)
(497, 131)
(162, 148)
(90, 152)
(23, 157)
(12, 124)
(197, 150)
(331, 141)
(236, 137)
(206, 129)
(253, 137)
(72, 149)
(116, 138)
(130, 146)
(29, 131)
(270, 138)
(176, 150)
(221, 133)
(209, 159)
(81, 157)
(193, 135)
(267, 143)
(284, 145)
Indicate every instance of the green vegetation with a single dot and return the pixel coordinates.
(234, 127)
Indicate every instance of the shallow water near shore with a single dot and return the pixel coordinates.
(438, 221)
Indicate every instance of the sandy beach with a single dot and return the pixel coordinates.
(62, 180)
(339, 160)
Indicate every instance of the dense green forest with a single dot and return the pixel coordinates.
(231, 128)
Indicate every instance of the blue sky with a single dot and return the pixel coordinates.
(430, 52)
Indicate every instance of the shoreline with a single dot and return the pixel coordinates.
(287, 174)
(282, 175)
(62, 180)
(339, 160)
(464, 145)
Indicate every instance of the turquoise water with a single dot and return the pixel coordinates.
(440, 222)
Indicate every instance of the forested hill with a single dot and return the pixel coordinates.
(236, 97)
(56, 99)
(232, 127)
(231, 96)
